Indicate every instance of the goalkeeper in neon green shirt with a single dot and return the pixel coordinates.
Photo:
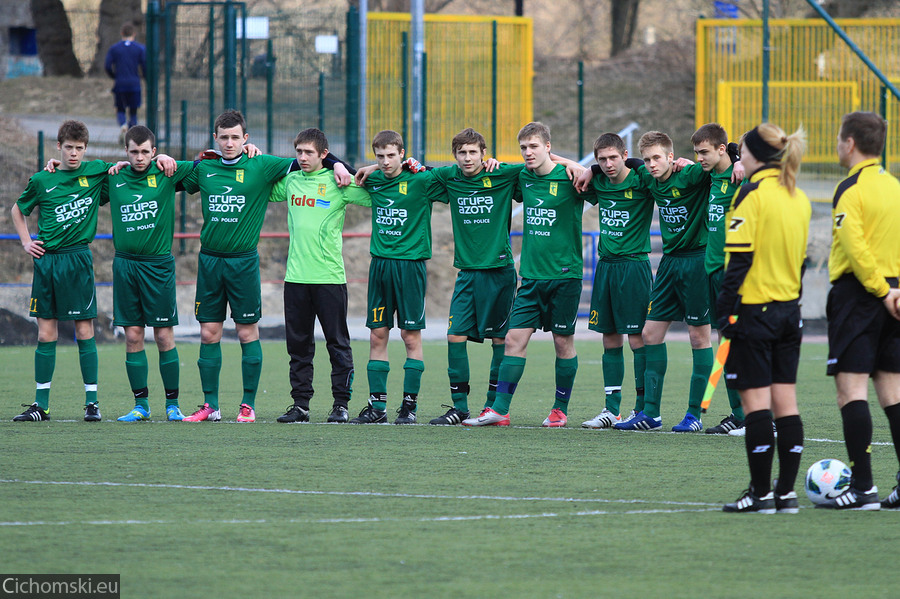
(315, 284)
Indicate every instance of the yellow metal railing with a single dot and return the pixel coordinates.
(814, 76)
(459, 79)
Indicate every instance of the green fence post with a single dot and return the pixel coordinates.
(404, 85)
(182, 219)
(765, 62)
(321, 101)
(352, 123)
(270, 91)
(580, 109)
(170, 12)
(152, 69)
(40, 151)
(494, 88)
(230, 53)
(424, 105)
(212, 73)
(883, 107)
(243, 61)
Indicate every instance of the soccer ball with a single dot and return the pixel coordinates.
(826, 479)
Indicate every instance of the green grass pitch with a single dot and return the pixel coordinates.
(316, 510)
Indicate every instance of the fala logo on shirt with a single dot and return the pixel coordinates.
(305, 200)
(151, 181)
(239, 175)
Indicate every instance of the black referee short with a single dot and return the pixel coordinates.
(862, 335)
(765, 348)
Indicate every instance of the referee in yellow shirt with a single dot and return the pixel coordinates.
(863, 325)
(759, 310)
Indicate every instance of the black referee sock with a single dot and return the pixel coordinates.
(893, 416)
(760, 444)
(790, 450)
(858, 438)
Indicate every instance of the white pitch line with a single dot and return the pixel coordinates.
(374, 494)
(363, 520)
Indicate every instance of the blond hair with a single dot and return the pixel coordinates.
(791, 148)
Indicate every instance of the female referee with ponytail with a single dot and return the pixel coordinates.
(759, 310)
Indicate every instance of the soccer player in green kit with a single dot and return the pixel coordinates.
(400, 245)
(142, 205)
(681, 288)
(234, 191)
(63, 285)
(622, 280)
(315, 284)
(480, 212)
(712, 148)
(551, 269)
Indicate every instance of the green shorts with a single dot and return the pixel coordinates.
(396, 286)
(63, 285)
(620, 296)
(231, 279)
(715, 283)
(144, 291)
(547, 304)
(482, 300)
(681, 289)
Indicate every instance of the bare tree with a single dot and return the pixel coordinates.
(54, 38)
(403, 5)
(114, 14)
(623, 22)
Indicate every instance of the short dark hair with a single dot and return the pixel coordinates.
(534, 129)
(714, 133)
(867, 129)
(387, 138)
(73, 131)
(610, 140)
(313, 136)
(127, 30)
(228, 119)
(655, 138)
(139, 134)
(467, 136)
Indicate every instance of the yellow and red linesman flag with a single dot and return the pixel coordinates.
(718, 367)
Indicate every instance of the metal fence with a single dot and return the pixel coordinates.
(814, 76)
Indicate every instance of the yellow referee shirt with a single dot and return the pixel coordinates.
(865, 227)
(773, 224)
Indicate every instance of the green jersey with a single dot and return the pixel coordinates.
(683, 201)
(721, 192)
(234, 196)
(480, 209)
(401, 214)
(626, 210)
(69, 202)
(142, 206)
(316, 207)
(551, 235)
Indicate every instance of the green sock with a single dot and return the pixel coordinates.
(734, 398)
(170, 371)
(458, 371)
(136, 368)
(44, 365)
(640, 370)
(566, 369)
(613, 374)
(654, 375)
(377, 373)
(703, 363)
(511, 370)
(497, 351)
(251, 366)
(87, 358)
(210, 363)
(412, 376)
